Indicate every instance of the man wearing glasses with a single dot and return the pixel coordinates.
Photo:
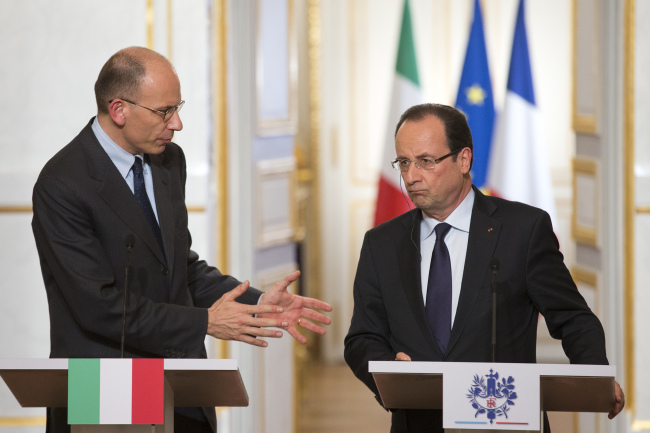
(118, 186)
(422, 289)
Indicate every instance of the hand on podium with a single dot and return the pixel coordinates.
(401, 356)
(619, 403)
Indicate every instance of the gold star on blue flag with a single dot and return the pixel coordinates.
(475, 94)
(475, 97)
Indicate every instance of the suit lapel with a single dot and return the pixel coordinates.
(409, 260)
(483, 235)
(162, 191)
(116, 193)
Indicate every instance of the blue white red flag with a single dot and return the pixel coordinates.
(518, 167)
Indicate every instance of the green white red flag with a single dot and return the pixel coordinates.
(391, 201)
(116, 391)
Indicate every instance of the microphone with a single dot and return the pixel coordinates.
(130, 242)
(494, 267)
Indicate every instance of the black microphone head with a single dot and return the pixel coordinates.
(494, 265)
(130, 240)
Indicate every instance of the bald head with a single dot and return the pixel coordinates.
(124, 73)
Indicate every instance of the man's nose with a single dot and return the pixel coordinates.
(412, 174)
(175, 122)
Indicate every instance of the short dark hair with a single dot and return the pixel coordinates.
(120, 77)
(456, 128)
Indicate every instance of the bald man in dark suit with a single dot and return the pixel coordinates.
(123, 177)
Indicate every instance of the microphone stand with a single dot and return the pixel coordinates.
(130, 242)
(495, 270)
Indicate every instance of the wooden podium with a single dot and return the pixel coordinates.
(460, 390)
(188, 382)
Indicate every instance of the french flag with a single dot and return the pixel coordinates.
(518, 165)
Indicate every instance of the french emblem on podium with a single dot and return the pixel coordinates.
(490, 397)
(493, 398)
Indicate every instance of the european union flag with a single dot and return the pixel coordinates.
(475, 97)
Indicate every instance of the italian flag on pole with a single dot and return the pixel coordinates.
(406, 93)
(116, 391)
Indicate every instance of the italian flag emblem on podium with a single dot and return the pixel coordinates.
(116, 391)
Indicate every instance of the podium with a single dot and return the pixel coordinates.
(494, 396)
(188, 382)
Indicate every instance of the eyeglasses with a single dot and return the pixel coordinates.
(425, 162)
(165, 114)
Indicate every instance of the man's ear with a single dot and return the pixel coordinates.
(465, 156)
(116, 111)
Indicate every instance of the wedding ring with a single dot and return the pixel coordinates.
(299, 319)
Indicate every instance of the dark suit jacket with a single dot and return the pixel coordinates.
(83, 211)
(389, 315)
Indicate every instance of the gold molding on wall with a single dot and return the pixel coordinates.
(588, 278)
(584, 276)
(38, 421)
(642, 209)
(628, 199)
(15, 209)
(149, 17)
(583, 124)
(582, 234)
(314, 49)
(639, 425)
(312, 254)
(220, 144)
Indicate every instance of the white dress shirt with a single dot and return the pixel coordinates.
(456, 241)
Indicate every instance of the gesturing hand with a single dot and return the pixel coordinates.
(296, 309)
(230, 320)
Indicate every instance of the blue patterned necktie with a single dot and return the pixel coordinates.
(142, 198)
(438, 307)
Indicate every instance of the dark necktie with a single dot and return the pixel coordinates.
(438, 305)
(142, 198)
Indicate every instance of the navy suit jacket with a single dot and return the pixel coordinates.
(389, 315)
(83, 211)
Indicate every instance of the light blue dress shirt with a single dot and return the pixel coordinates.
(124, 161)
